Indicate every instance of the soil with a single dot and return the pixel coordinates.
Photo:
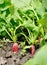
(7, 57)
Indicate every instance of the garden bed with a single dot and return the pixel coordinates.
(24, 24)
(7, 57)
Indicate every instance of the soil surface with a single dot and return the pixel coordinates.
(7, 57)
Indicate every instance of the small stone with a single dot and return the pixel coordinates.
(17, 61)
(10, 61)
(2, 61)
(2, 52)
(8, 55)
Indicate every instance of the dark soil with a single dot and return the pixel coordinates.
(7, 57)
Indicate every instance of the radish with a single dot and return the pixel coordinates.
(32, 49)
(15, 47)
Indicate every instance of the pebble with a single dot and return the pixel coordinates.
(2, 61)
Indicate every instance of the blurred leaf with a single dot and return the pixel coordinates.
(44, 3)
(1, 1)
(43, 22)
(36, 4)
(40, 57)
(11, 9)
(20, 3)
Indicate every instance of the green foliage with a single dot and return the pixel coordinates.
(23, 18)
(44, 5)
(43, 22)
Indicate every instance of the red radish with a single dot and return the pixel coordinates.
(39, 40)
(15, 47)
(32, 49)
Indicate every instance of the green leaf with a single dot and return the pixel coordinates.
(45, 37)
(36, 4)
(11, 9)
(44, 3)
(1, 1)
(20, 3)
(7, 3)
(43, 22)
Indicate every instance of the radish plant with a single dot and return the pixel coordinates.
(26, 18)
